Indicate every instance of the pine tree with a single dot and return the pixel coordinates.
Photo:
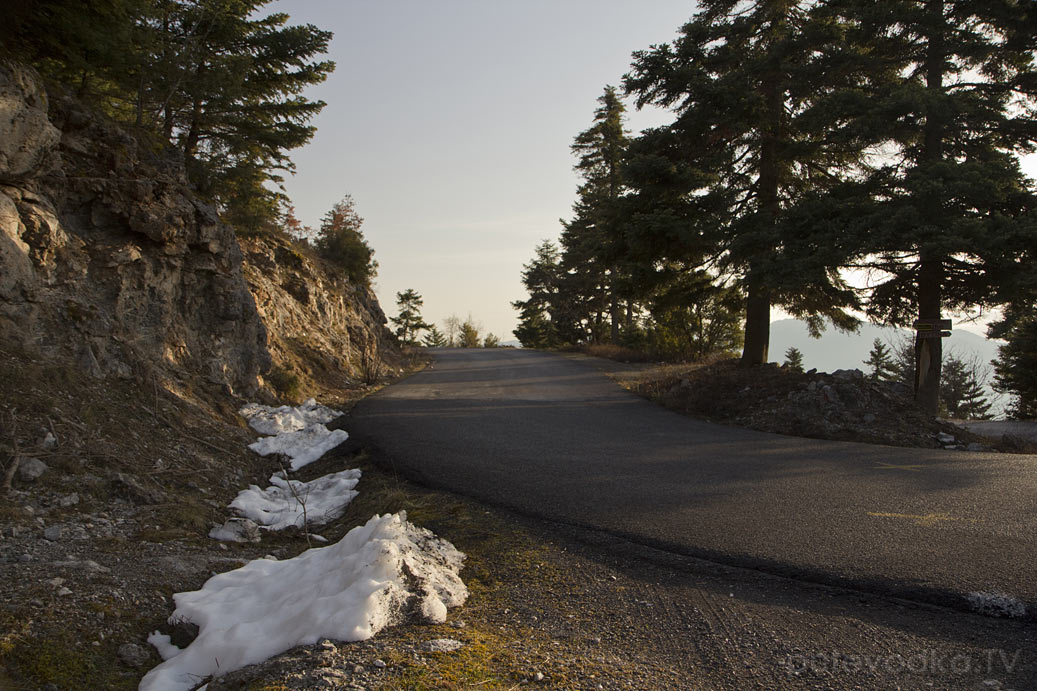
(880, 362)
(491, 341)
(961, 389)
(949, 221)
(590, 259)
(690, 317)
(794, 359)
(219, 80)
(408, 321)
(340, 241)
(541, 278)
(1015, 369)
(469, 335)
(903, 349)
(434, 338)
(748, 82)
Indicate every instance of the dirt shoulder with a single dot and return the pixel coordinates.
(842, 405)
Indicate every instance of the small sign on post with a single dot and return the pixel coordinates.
(933, 328)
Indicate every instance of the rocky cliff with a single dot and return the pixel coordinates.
(107, 257)
(322, 328)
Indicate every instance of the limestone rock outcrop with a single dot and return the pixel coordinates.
(107, 256)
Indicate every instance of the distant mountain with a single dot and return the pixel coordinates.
(838, 350)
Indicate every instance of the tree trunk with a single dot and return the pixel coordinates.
(758, 299)
(757, 324)
(929, 351)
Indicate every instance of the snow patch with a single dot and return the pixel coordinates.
(372, 578)
(282, 504)
(303, 446)
(272, 421)
(997, 605)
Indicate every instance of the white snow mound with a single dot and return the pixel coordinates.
(303, 446)
(270, 420)
(371, 578)
(287, 503)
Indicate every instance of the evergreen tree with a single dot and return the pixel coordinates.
(880, 362)
(949, 221)
(1015, 369)
(469, 334)
(690, 316)
(408, 321)
(232, 101)
(541, 278)
(434, 338)
(340, 241)
(218, 79)
(491, 341)
(748, 84)
(961, 389)
(591, 258)
(794, 359)
(903, 349)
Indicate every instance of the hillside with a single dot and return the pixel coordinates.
(133, 327)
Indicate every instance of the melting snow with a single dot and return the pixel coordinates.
(371, 578)
(302, 447)
(269, 420)
(282, 505)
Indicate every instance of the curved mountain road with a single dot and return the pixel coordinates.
(554, 438)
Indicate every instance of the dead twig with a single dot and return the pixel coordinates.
(16, 457)
(302, 503)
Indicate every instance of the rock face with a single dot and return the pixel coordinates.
(319, 323)
(106, 256)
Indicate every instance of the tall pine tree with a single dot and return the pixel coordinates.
(950, 217)
(748, 83)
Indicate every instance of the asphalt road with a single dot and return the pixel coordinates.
(557, 439)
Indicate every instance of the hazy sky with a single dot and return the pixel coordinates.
(449, 122)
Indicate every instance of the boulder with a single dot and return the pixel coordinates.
(27, 138)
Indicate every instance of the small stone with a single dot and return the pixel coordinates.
(868, 418)
(358, 669)
(539, 676)
(945, 438)
(133, 655)
(52, 533)
(443, 645)
(50, 442)
(56, 582)
(380, 664)
(63, 592)
(69, 500)
(31, 469)
(237, 530)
